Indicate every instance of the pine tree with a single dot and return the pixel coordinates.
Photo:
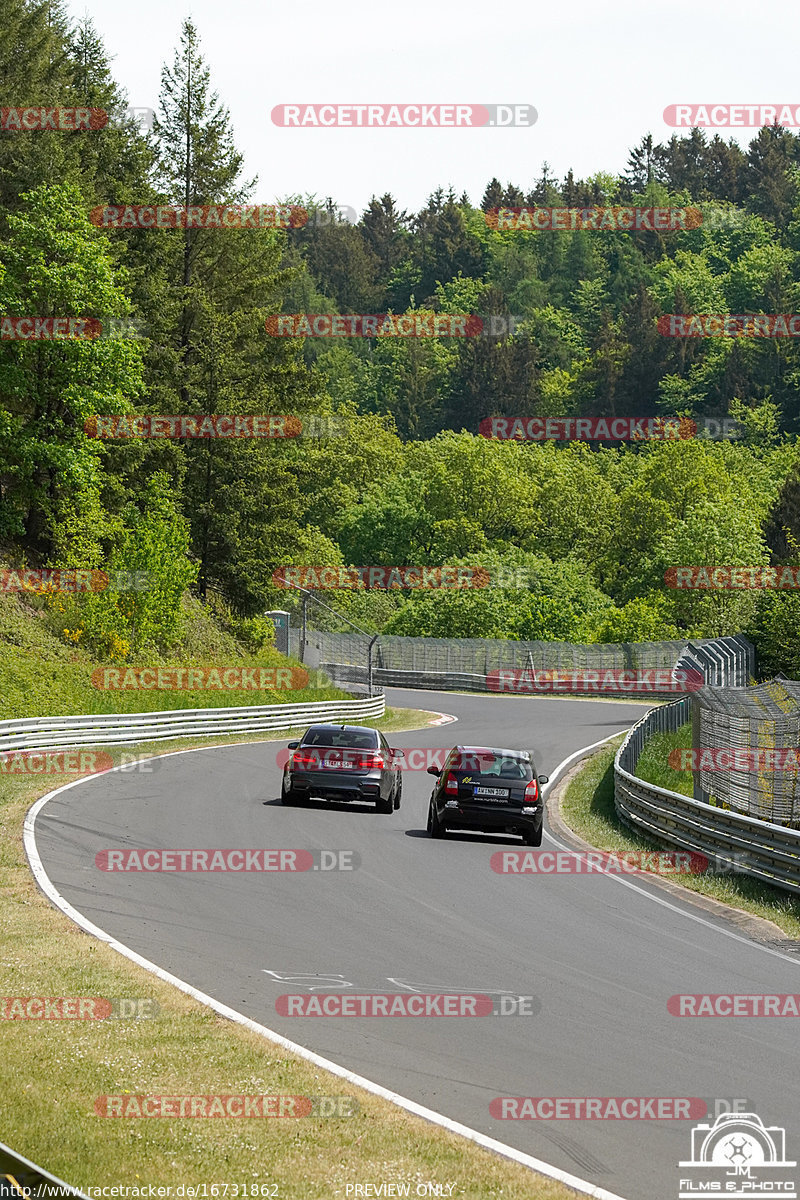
(770, 180)
(213, 350)
(35, 70)
(384, 230)
(639, 171)
(198, 162)
(493, 195)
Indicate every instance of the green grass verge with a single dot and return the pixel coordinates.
(588, 808)
(52, 1071)
(653, 765)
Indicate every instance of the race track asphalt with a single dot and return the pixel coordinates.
(601, 955)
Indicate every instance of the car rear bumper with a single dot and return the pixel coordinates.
(336, 784)
(494, 818)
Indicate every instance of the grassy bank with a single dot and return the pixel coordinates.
(654, 767)
(42, 675)
(52, 1071)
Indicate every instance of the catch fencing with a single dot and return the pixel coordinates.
(761, 718)
(464, 663)
(749, 845)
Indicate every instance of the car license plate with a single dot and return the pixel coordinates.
(487, 793)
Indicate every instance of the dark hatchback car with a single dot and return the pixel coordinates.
(343, 762)
(489, 790)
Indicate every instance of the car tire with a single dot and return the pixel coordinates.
(436, 827)
(398, 794)
(532, 837)
(289, 796)
(385, 806)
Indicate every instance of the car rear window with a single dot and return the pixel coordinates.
(355, 740)
(495, 766)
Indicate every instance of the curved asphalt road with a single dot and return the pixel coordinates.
(601, 956)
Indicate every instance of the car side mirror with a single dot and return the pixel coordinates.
(434, 771)
(398, 753)
(544, 779)
(293, 745)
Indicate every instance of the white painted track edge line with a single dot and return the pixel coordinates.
(584, 1187)
(652, 892)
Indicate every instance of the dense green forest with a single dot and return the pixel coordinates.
(579, 534)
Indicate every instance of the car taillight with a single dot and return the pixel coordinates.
(451, 786)
(368, 762)
(532, 792)
(302, 758)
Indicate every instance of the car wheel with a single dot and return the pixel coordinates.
(436, 826)
(532, 837)
(398, 793)
(384, 806)
(288, 796)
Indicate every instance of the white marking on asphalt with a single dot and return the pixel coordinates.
(474, 1135)
(653, 895)
(481, 1139)
(444, 718)
(336, 980)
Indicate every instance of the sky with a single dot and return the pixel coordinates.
(599, 75)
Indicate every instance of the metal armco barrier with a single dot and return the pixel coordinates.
(751, 846)
(51, 733)
(20, 1178)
